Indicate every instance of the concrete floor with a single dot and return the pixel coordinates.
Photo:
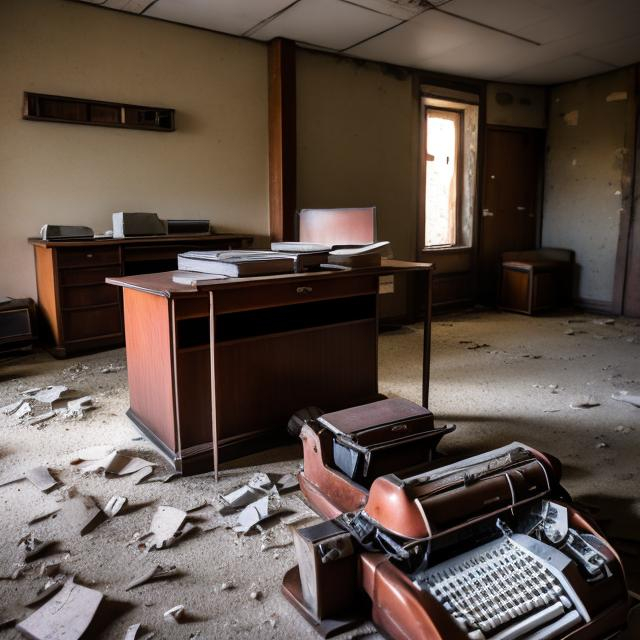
(503, 390)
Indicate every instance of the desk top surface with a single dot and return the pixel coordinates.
(162, 284)
(169, 238)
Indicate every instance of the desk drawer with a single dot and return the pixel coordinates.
(82, 324)
(261, 296)
(88, 257)
(88, 296)
(67, 277)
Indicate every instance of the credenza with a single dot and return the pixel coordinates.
(216, 371)
(77, 311)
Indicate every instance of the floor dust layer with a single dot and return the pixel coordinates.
(498, 377)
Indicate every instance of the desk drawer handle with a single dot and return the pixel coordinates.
(304, 289)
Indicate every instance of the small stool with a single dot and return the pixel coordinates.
(534, 281)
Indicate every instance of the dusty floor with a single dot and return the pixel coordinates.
(502, 390)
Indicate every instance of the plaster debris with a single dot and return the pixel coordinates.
(227, 586)
(175, 614)
(623, 429)
(114, 506)
(256, 513)
(585, 403)
(155, 572)
(275, 538)
(571, 118)
(48, 395)
(166, 478)
(616, 96)
(50, 587)
(132, 632)
(111, 368)
(29, 546)
(11, 408)
(602, 445)
(81, 514)
(78, 407)
(66, 615)
(625, 396)
(43, 417)
(115, 464)
(144, 474)
(23, 410)
(49, 568)
(41, 478)
(167, 526)
(604, 321)
(256, 595)
(197, 506)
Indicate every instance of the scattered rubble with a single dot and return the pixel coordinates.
(175, 614)
(167, 526)
(623, 429)
(585, 403)
(29, 547)
(111, 368)
(625, 396)
(155, 572)
(114, 506)
(66, 615)
(50, 587)
(115, 464)
(81, 514)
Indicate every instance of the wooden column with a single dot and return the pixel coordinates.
(282, 139)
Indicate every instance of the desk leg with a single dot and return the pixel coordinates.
(426, 347)
(214, 405)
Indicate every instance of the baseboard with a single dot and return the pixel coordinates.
(604, 307)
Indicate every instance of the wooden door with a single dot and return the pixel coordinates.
(509, 212)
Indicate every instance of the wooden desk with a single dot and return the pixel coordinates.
(78, 311)
(229, 363)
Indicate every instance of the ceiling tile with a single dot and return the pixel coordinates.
(328, 23)
(620, 52)
(501, 14)
(560, 70)
(229, 16)
(403, 9)
(428, 35)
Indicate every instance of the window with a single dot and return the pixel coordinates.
(442, 174)
(448, 166)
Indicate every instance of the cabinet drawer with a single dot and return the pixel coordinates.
(87, 257)
(88, 296)
(305, 290)
(81, 324)
(88, 276)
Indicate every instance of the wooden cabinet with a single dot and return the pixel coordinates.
(78, 310)
(223, 367)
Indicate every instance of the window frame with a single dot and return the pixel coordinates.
(459, 184)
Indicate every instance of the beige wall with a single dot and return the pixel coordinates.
(587, 141)
(516, 105)
(357, 146)
(214, 165)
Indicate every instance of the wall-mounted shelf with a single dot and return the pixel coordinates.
(39, 106)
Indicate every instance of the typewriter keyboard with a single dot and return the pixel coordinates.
(503, 591)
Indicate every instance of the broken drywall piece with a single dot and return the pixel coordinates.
(42, 417)
(132, 632)
(111, 368)
(287, 482)
(617, 96)
(197, 506)
(78, 407)
(115, 464)
(65, 616)
(625, 396)
(41, 478)
(156, 572)
(49, 588)
(240, 498)
(49, 568)
(43, 516)
(144, 474)
(29, 546)
(11, 408)
(256, 512)
(585, 403)
(167, 525)
(48, 395)
(175, 614)
(114, 506)
(166, 478)
(23, 410)
(82, 514)
(604, 321)
(571, 118)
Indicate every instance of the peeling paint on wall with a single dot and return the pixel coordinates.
(571, 118)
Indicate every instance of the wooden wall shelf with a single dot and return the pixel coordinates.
(47, 108)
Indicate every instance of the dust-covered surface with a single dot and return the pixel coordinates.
(499, 377)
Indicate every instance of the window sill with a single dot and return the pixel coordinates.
(454, 249)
